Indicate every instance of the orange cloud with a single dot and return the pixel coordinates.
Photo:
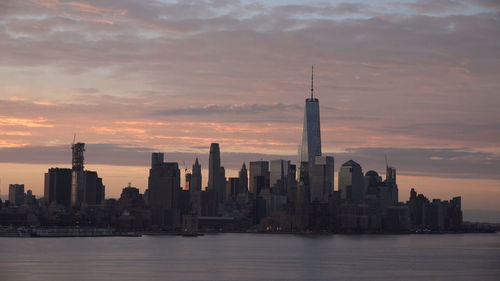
(30, 123)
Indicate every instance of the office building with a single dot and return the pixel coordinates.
(351, 182)
(311, 133)
(57, 187)
(259, 177)
(16, 194)
(164, 192)
(195, 188)
(216, 174)
(279, 179)
(243, 175)
(321, 179)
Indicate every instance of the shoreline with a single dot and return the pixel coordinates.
(106, 232)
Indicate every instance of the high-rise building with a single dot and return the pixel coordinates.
(94, 190)
(156, 159)
(221, 187)
(77, 174)
(243, 175)
(213, 167)
(390, 181)
(311, 133)
(57, 186)
(259, 177)
(279, 179)
(195, 188)
(321, 179)
(216, 174)
(232, 187)
(351, 182)
(164, 187)
(16, 194)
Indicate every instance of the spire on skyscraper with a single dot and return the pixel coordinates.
(312, 82)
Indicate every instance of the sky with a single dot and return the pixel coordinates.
(416, 80)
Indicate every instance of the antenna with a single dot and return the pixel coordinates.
(74, 138)
(386, 162)
(312, 81)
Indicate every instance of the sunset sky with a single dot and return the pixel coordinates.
(418, 80)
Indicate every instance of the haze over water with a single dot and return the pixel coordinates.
(254, 257)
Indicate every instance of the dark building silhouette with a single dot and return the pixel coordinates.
(232, 189)
(243, 175)
(57, 186)
(78, 177)
(435, 215)
(216, 174)
(164, 192)
(16, 194)
(130, 198)
(195, 188)
(94, 190)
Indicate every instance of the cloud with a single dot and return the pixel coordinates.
(440, 162)
(435, 162)
(87, 90)
(231, 108)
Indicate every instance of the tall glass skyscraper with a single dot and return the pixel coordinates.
(311, 134)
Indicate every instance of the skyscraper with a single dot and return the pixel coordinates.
(243, 175)
(280, 176)
(58, 186)
(77, 174)
(216, 174)
(351, 182)
(164, 188)
(213, 167)
(321, 179)
(311, 134)
(195, 188)
(259, 176)
(16, 194)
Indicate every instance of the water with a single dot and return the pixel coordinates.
(253, 257)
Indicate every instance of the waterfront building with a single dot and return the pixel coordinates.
(94, 190)
(164, 192)
(57, 186)
(16, 194)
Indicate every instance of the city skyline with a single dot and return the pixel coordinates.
(432, 109)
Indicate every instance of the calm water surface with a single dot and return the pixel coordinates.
(253, 257)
